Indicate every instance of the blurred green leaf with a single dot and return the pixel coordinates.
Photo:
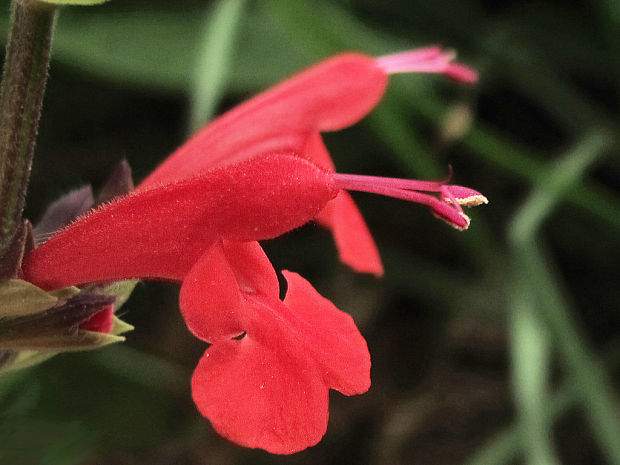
(531, 366)
(9, 382)
(323, 28)
(142, 48)
(550, 190)
(38, 441)
(591, 382)
(142, 369)
(75, 2)
(74, 448)
(505, 446)
(214, 60)
(388, 121)
(530, 73)
(519, 162)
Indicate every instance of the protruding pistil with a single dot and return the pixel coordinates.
(444, 204)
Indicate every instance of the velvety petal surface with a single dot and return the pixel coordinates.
(331, 336)
(331, 95)
(264, 380)
(211, 301)
(260, 393)
(256, 383)
(253, 270)
(161, 232)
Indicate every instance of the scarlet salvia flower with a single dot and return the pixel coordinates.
(254, 174)
(161, 232)
(268, 388)
(290, 117)
(264, 382)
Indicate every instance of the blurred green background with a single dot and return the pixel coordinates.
(499, 345)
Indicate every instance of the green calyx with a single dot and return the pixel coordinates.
(20, 298)
(36, 325)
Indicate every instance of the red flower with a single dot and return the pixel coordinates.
(264, 381)
(254, 174)
(161, 232)
(289, 117)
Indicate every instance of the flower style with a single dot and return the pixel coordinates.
(255, 173)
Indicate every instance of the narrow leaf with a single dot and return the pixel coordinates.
(214, 60)
(75, 2)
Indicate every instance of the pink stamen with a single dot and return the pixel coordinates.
(446, 207)
(427, 60)
(458, 221)
(418, 54)
(461, 73)
(448, 196)
(409, 184)
(464, 196)
(458, 195)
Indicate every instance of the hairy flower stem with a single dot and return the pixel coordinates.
(23, 85)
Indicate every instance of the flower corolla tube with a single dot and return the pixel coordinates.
(255, 173)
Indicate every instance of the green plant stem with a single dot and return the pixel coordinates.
(21, 96)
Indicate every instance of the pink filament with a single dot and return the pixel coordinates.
(461, 73)
(419, 54)
(407, 189)
(409, 184)
(427, 60)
